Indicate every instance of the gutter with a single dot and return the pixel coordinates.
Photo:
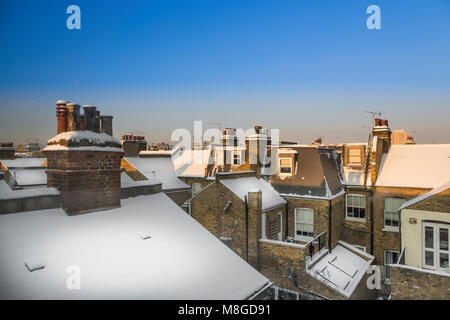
(257, 293)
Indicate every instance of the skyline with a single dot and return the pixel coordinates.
(308, 69)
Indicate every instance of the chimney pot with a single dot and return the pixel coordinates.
(61, 115)
(73, 117)
(89, 117)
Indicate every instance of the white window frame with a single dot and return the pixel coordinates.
(303, 237)
(386, 279)
(263, 226)
(387, 227)
(360, 156)
(279, 166)
(436, 245)
(237, 156)
(365, 207)
(280, 225)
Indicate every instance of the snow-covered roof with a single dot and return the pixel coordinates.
(191, 163)
(127, 182)
(159, 170)
(424, 196)
(57, 147)
(23, 163)
(415, 166)
(342, 269)
(6, 193)
(29, 177)
(241, 187)
(180, 259)
(78, 136)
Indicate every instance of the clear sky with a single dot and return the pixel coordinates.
(308, 68)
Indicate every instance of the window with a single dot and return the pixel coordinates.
(391, 206)
(304, 224)
(236, 157)
(196, 188)
(356, 206)
(354, 156)
(435, 245)
(263, 226)
(390, 257)
(286, 166)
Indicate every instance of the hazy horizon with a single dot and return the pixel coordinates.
(307, 68)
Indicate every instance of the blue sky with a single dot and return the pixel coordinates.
(309, 68)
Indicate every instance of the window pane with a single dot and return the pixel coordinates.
(429, 258)
(443, 260)
(429, 237)
(443, 239)
(285, 162)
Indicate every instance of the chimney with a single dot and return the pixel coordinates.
(61, 116)
(254, 204)
(254, 145)
(89, 117)
(382, 131)
(106, 123)
(84, 166)
(97, 121)
(73, 117)
(381, 142)
(7, 151)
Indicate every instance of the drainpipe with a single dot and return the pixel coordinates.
(329, 225)
(371, 221)
(246, 226)
(287, 220)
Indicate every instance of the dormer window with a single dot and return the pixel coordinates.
(354, 156)
(285, 166)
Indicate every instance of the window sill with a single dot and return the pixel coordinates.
(355, 219)
(390, 229)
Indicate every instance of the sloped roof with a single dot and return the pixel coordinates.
(315, 174)
(191, 163)
(180, 260)
(159, 170)
(241, 187)
(415, 166)
(424, 196)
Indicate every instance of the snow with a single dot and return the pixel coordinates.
(284, 243)
(57, 147)
(433, 192)
(127, 182)
(26, 177)
(6, 193)
(294, 195)
(415, 166)
(241, 186)
(341, 269)
(23, 163)
(158, 169)
(436, 272)
(181, 259)
(191, 163)
(77, 136)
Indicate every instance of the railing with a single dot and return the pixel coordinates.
(319, 242)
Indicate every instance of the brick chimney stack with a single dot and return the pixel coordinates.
(84, 165)
(382, 131)
(61, 116)
(73, 117)
(106, 124)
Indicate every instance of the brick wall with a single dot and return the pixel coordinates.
(408, 284)
(388, 240)
(180, 196)
(87, 180)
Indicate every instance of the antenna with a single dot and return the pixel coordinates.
(373, 114)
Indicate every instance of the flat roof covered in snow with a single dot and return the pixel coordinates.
(147, 249)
